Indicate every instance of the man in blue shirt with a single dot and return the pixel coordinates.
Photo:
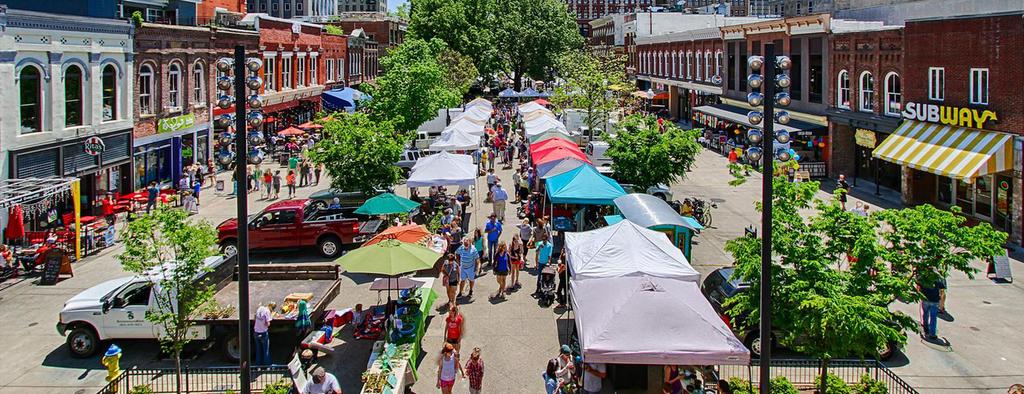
(469, 261)
(493, 231)
(544, 249)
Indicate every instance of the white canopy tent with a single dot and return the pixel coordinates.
(541, 125)
(626, 249)
(536, 114)
(443, 169)
(456, 140)
(651, 320)
(465, 126)
(480, 102)
(530, 107)
(477, 114)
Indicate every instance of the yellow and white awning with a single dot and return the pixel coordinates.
(956, 152)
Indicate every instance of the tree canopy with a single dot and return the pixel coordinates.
(592, 84)
(532, 35)
(413, 87)
(465, 25)
(645, 156)
(359, 153)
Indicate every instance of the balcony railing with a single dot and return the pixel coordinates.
(204, 380)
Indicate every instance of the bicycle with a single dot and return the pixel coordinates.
(702, 211)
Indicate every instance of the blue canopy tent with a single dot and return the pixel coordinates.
(585, 186)
(529, 92)
(508, 93)
(343, 99)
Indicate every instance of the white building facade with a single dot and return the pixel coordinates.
(65, 80)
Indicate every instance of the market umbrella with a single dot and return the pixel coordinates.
(16, 225)
(411, 233)
(290, 132)
(542, 101)
(395, 284)
(385, 204)
(390, 257)
(310, 125)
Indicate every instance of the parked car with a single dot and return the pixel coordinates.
(348, 200)
(721, 285)
(660, 190)
(295, 224)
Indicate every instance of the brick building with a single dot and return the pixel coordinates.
(174, 96)
(962, 100)
(363, 60)
(208, 9)
(293, 69)
(684, 68)
(865, 103)
(387, 31)
(588, 10)
(335, 54)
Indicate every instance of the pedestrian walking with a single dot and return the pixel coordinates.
(930, 307)
(517, 253)
(491, 179)
(304, 172)
(478, 242)
(517, 179)
(477, 157)
(268, 182)
(316, 172)
(291, 183)
(498, 199)
(293, 163)
(469, 263)
(151, 193)
(447, 366)
(450, 276)
(475, 371)
(454, 327)
(261, 326)
(493, 229)
(211, 172)
(490, 158)
(502, 267)
(197, 187)
(552, 385)
(544, 249)
(277, 184)
(843, 188)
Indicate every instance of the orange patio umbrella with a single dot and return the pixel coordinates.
(310, 125)
(291, 131)
(410, 233)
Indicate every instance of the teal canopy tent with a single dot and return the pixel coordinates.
(584, 186)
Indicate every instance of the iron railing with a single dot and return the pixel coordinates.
(194, 380)
(803, 372)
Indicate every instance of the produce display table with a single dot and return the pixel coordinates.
(392, 366)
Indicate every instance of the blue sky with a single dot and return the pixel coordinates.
(393, 4)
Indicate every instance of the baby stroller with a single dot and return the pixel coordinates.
(547, 285)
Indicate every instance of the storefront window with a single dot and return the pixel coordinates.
(109, 93)
(965, 197)
(983, 196)
(73, 96)
(796, 89)
(30, 86)
(945, 190)
(815, 81)
(152, 163)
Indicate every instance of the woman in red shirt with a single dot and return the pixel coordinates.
(291, 183)
(454, 327)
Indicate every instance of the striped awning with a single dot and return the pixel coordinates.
(955, 152)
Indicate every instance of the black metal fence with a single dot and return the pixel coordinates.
(803, 372)
(194, 380)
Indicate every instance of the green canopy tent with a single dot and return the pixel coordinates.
(386, 204)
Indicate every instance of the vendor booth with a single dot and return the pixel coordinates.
(585, 186)
(558, 153)
(443, 169)
(654, 213)
(455, 140)
(508, 93)
(481, 102)
(558, 167)
(549, 134)
(626, 249)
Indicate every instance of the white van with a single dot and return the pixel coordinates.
(596, 153)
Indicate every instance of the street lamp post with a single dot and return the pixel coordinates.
(241, 83)
(773, 77)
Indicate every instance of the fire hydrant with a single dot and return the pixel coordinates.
(112, 360)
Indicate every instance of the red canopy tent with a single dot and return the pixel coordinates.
(551, 143)
(558, 153)
(542, 101)
(291, 131)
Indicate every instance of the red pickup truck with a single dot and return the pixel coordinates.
(292, 224)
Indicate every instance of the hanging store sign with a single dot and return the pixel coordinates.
(949, 115)
(94, 146)
(865, 138)
(176, 123)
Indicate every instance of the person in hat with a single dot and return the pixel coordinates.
(566, 367)
(322, 382)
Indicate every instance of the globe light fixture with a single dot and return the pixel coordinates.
(755, 99)
(224, 64)
(224, 83)
(783, 81)
(254, 83)
(755, 81)
(255, 101)
(782, 117)
(755, 117)
(224, 121)
(783, 155)
(755, 136)
(225, 101)
(782, 99)
(782, 136)
(226, 138)
(783, 62)
(754, 63)
(255, 138)
(253, 64)
(254, 119)
(754, 154)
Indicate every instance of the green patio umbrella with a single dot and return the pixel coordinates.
(386, 204)
(389, 257)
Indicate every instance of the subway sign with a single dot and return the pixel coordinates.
(945, 114)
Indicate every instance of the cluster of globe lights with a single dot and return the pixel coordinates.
(254, 103)
(756, 99)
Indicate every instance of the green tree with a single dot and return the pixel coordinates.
(166, 242)
(334, 29)
(833, 279)
(401, 12)
(413, 87)
(467, 26)
(460, 70)
(532, 34)
(592, 84)
(359, 153)
(645, 156)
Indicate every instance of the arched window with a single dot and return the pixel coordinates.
(681, 66)
(146, 89)
(672, 64)
(73, 96)
(198, 84)
(174, 86)
(707, 66)
(893, 94)
(689, 65)
(109, 92)
(718, 64)
(867, 92)
(843, 93)
(700, 60)
(30, 88)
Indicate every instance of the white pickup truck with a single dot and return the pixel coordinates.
(116, 309)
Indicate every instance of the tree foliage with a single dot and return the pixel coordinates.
(532, 34)
(836, 272)
(167, 242)
(460, 69)
(592, 84)
(334, 29)
(401, 12)
(413, 87)
(465, 25)
(645, 156)
(359, 153)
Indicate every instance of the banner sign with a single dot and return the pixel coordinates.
(176, 123)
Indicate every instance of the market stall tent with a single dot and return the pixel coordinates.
(651, 320)
(480, 102)
(583, 185)
(455, 140)
(476, 114)
(530, 107)
(508, 93)
(654, 213)
(548, 134)
(552, 143)
(542, 124)
(527, 116)
(625, 249)
(529, 92)
(558, 153)
(557, 167)
(465, 125)
(443, 169)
